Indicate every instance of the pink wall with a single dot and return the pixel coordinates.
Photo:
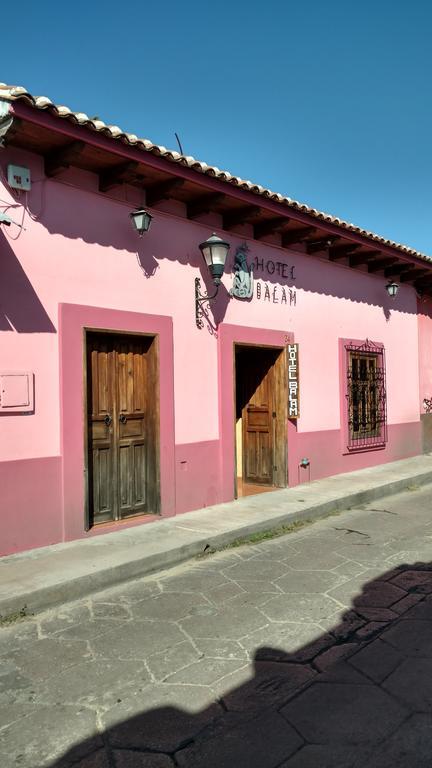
(78, 250)
(328, 456)
(30, 510)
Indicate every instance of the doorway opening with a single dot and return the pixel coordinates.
(260, 419)
(122, 427)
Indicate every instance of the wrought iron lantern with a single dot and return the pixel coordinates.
(141, 220)
(392, 289)
(214, 251)
(4, 219)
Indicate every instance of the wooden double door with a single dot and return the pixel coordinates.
(261, 394)
(122, 426)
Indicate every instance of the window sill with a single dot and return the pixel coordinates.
(364, 449)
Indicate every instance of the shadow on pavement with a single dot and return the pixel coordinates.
(360, 695)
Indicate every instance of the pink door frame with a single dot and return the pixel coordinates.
(228, 337)
(73, 321)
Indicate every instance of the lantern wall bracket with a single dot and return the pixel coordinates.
(200, 299)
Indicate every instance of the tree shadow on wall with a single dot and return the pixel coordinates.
(75, 216)
(20, 308)
(359, 695)
(107, 224)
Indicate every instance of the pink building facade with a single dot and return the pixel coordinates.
(90, 311)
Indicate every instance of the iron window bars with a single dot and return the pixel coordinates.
(366, 396)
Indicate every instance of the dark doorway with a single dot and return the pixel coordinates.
(261, 419)
(122, 426)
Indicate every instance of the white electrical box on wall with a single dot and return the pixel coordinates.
(19, 177)
(16, 392)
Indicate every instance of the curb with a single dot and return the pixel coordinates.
(30, 601)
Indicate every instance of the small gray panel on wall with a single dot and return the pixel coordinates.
(426, 422)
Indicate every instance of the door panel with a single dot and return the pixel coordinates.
(258, 417)
(102, 487)
(139, 475)
(131, 366)
(101, 448)
(257, 434)
(258, 457)
(131, 428)
(122, 427)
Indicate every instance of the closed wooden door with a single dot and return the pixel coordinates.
(121, 426)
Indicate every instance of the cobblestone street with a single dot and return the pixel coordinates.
(312, 650)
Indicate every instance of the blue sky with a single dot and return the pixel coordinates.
(327, 102)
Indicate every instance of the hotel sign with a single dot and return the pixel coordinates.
(280, 289)
(293, 381)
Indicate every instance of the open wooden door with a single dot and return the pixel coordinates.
(257, 419)
(261, 409)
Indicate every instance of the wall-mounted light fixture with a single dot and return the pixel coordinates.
(141, 220)
(7, 221)
(214, 251)
(392, 289)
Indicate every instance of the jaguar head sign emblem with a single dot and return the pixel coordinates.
(243, 275)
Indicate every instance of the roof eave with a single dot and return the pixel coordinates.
(23, 108)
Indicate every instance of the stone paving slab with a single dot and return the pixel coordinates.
(194, 666)
(53, 575)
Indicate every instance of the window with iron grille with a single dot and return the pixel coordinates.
(366, 396)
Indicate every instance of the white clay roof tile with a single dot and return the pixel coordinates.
(13, 93)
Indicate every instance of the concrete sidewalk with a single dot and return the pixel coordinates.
(43, 578)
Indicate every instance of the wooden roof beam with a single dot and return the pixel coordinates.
(320, 244)
(269, 226)
(396, 269)
(162, 190)
(341, 251)
(376, 266)
(240, 216)
(414, 274)
(357, 259)
(122, 173)
(293, 236)
(62, 158)
(203, 204)
(422, 283)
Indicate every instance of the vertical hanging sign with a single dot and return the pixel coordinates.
(293, 382)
